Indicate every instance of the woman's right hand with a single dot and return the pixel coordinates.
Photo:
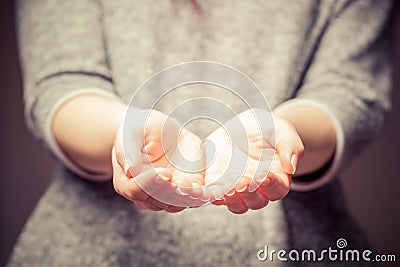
(156, 164)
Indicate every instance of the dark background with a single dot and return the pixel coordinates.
(372, 183)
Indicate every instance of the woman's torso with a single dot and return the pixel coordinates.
(84, 223)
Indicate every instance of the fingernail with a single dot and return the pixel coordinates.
(180, 192)
(253, 187)
(231, 193)
(196, 191)
(241, 188)
(294, 161)
(216, 191)
(206, 194)
(219, 198)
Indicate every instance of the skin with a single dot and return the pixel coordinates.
(305, 140)
(275, 183)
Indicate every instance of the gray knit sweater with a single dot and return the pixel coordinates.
(329, 53)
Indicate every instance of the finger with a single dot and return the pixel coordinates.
(197, 190)
(140, 187)
(216, 191)
(139, 204)
(194, 193)
(216, 195)
(288, 144)
(174, 209)
(188, 183)
(207, 194)
(234, 203)
(218, 202)
(128, 151)
(259, 169)
(191, 164)
(119, 176)
(154, 204)
(151, 207)
(145, 184)
(172, 195)
(253, 200)
(277, 183)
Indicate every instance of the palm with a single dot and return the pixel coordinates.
(173, 154)
(244, 151)
(169, 168)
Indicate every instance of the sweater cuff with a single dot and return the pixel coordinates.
(51, 140)
(328, 172)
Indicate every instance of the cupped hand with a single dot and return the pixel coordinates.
(252, 160)
(156, 164)
(249, 162)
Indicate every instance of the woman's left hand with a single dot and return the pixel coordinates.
(270, 151)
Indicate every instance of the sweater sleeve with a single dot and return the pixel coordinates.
(349, 77)
(62, 55)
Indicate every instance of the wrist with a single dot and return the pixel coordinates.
(84, 128)
(317, 133)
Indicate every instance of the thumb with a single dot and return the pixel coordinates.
(288, 144)
(128, 153)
